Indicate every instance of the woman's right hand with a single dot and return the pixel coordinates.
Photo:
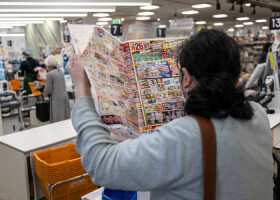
(79, 76)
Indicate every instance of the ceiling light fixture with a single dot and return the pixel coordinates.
(231, 30)
(261, 20)
(51, 10)
(146, 13)
(232, 7)
(45, 15)
(200, 22)
(239, 25)
(105, 19)
(101, 15)
(150, 7)
(21, 22)
(242, 18)
(218, 24)
(12, 35)
(30, 19)
(102, 23)
(265, 27)
(5, 26)
(241, 9)
(158, 19)
(220, 16)
(162, 26)
(218, 5)
(254, 11)
(143, 18)
(122, 19)
(248, 23)
(190, 12)
(203, 5)
(73, 3)
(247, 4)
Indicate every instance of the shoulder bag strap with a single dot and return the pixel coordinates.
(208, 137)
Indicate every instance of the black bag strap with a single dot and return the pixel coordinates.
(208, 137)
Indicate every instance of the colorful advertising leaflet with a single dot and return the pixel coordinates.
(135, 84)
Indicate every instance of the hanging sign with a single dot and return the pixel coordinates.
(161, 32)
(274, 23)
(186, 23)
(116, 29)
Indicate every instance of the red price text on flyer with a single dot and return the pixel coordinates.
(138, 46)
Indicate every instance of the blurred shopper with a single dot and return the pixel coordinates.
(27, 68)
(56, 89)
(263, 56)
(169, 162)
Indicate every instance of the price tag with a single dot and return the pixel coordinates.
(161, 32)
(116, 29)
(274, 23)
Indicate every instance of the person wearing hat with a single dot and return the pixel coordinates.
(27, 67)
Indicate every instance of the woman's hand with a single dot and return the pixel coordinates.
(78, 75)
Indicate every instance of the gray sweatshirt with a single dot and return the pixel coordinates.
(169, 162)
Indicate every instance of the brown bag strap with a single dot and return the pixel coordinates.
(208, 137)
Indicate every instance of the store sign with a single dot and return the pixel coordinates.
(116, 29)
(186, 23)
(161, 32)
(274, 23)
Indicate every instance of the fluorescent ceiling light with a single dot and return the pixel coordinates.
(5, 26)
(143, 18)
(150, 7)
(63, 21)
(247, 4)
(261, 20)
(30, 19)
(12, 35)
(36, 10)
(22, 22)
(146, 13)
(122, 19)
(242, 18)
(77, 3)
(231, 30)
(220, 16)
(102, 23)
(101, 15)
(190, 12)
(162, 26)
(218, 24)
(105, 19)
(200, 22)
(44, 15)
(248, 23)
(203, 5)
(158, 19)
(238, 25)
(265, 27)
(12, 24)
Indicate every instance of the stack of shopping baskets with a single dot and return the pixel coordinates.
(61, 173)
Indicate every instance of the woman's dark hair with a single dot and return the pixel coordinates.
(213, 59)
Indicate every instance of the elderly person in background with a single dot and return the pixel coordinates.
(56, 89)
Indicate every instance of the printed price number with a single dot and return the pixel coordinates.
(116, 29)
(161, 32)
(274, 23)
(138, 46)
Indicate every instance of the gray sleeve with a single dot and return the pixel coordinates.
(49, 85)
(140, 164)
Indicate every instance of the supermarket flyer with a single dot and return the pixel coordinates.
(135, 84)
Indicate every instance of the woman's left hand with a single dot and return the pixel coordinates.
(79, 76)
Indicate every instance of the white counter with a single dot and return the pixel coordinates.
(40, 137)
